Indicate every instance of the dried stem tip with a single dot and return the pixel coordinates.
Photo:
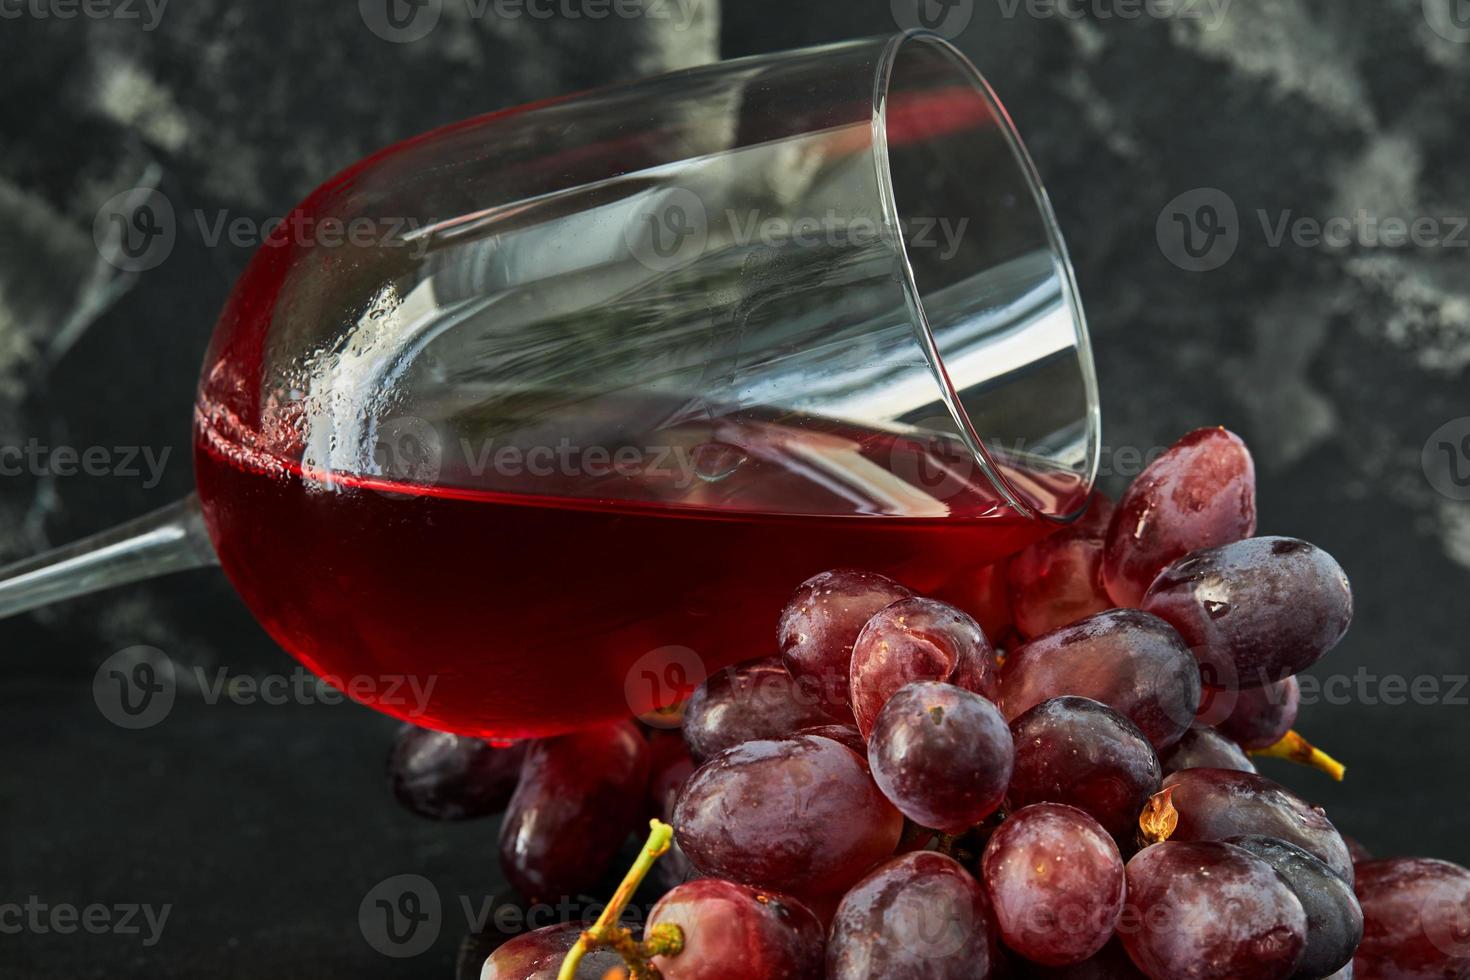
(1294, 748)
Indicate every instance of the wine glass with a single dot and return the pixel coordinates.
(543, 415)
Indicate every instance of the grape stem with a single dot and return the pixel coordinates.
(666, 939)
(1294, 748)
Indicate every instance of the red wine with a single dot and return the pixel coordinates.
(522, 614)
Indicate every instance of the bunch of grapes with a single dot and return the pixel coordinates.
(893, 796)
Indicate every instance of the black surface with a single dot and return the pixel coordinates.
(265, 827)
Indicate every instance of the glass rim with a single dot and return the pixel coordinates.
(1061, 260)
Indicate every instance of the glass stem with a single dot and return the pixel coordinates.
(170, 539)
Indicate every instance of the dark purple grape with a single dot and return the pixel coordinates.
(1083, 753)
(1254, 717)
(538, 956)
(1334, 919)
(1216, 804)
(1055, 881)
(1255, 611)
(754, 699)
(452, 777)
(1205, 748)
(1111, 963)
(1416, 920)
(1210, 911)
(1130, 661)
(820, 623)
(917, 640)
(917, 917)
(732, 932)
(1058, 580)
(848, 735)
(798, 815)
(1201, 493)
(580, 795)
(942, 754)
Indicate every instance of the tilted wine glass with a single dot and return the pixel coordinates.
(628, 366)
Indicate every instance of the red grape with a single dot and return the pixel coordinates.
(917, 917)
(452, 777)
(1111, 963)
(1058, 580)
(1214, 804)
(1210, 911)
(1080, 752)
(1255, 611)
(754, 699)
(1416, 920)
(1199, 494)
(1254, 717)
(820, 623)
(538, 956)
(580, 795)
(917, 640)
(798, 815)
(848, 735)
(732, 932)
(1055, 880)
(942, 754)
(1132, 662)
(1204, 748)
(1334, 919)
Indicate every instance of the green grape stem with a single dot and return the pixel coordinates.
(664, 940)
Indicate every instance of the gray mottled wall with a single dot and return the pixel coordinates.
(1336, 361)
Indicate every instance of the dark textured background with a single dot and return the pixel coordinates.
(265, 827)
